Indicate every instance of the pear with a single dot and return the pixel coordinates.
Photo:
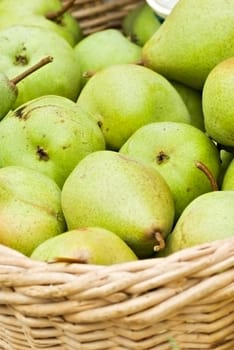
(191, 41)
(193, 101)
(140, 24)
(22, 46)
(218, 107)
(225, 158)
(88, 245)
(207, 218)
(113, 191)
(8, 87)
(228, 178)
(102, 49)
(53, 15)
(124, 97)
(50, 134)
(30, 208)
(162, 146)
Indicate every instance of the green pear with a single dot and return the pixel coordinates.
(140, 24)
(30, 208)
(228, 178)
(23, 46)
(53, 15)
(124, 97)
(50, 134)
(88, 245)
(102, 49)
(193, 101)
(174, 150)
(226, 158)
(191, 41)
(207, 218)
(9, 90)
(113, 191)
(217, 99)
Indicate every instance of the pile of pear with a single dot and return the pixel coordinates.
(116, 145)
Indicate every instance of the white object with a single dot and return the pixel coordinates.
(162, 7)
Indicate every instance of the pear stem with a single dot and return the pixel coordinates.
(209, 175)
(56, 14)
(69, 260)
(160, 240)
(32, 69)
(88, 74)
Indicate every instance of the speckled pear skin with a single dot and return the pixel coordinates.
(192, 40)
(86, 245)
(8, 95)
(228, 179)
(124, 97)
(218, 107)
(193, 100)
(30, 208)
(115, 192)
(140, 24)
(102, 49)
(207, 218)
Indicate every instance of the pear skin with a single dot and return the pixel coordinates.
(217, 100)
(228, 178)
(162, 146)
(88, 245)
(49, 134)
(225, 158)
(193, 101)
(124, 97)
(102, 49)
(207, 218)
(113, 191)
(140, 24)
(30, 208)
(191, 41)
(43, 13)
(8, 95)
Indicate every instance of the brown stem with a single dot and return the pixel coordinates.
(209, 175)
(160, 240)
(69, 260)
(53, 16)
(32, 69)
(88, 74)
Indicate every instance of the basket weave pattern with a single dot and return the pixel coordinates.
(98, 15)
(186, 299)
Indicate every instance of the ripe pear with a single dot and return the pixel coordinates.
(207, 218)
(113, 191)
(30, 208)
(124, 97)
(9, 90)
(218, 107)
(193, 101)
(228, 178)
(22, 46)
(53, 15)
(140, 23)
(226, 158)
(174, 149)
(102, 49)
(87, 245)
(191, 41)
(50, 134)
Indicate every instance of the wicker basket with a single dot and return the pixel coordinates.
(184, 301)
(95, 15)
